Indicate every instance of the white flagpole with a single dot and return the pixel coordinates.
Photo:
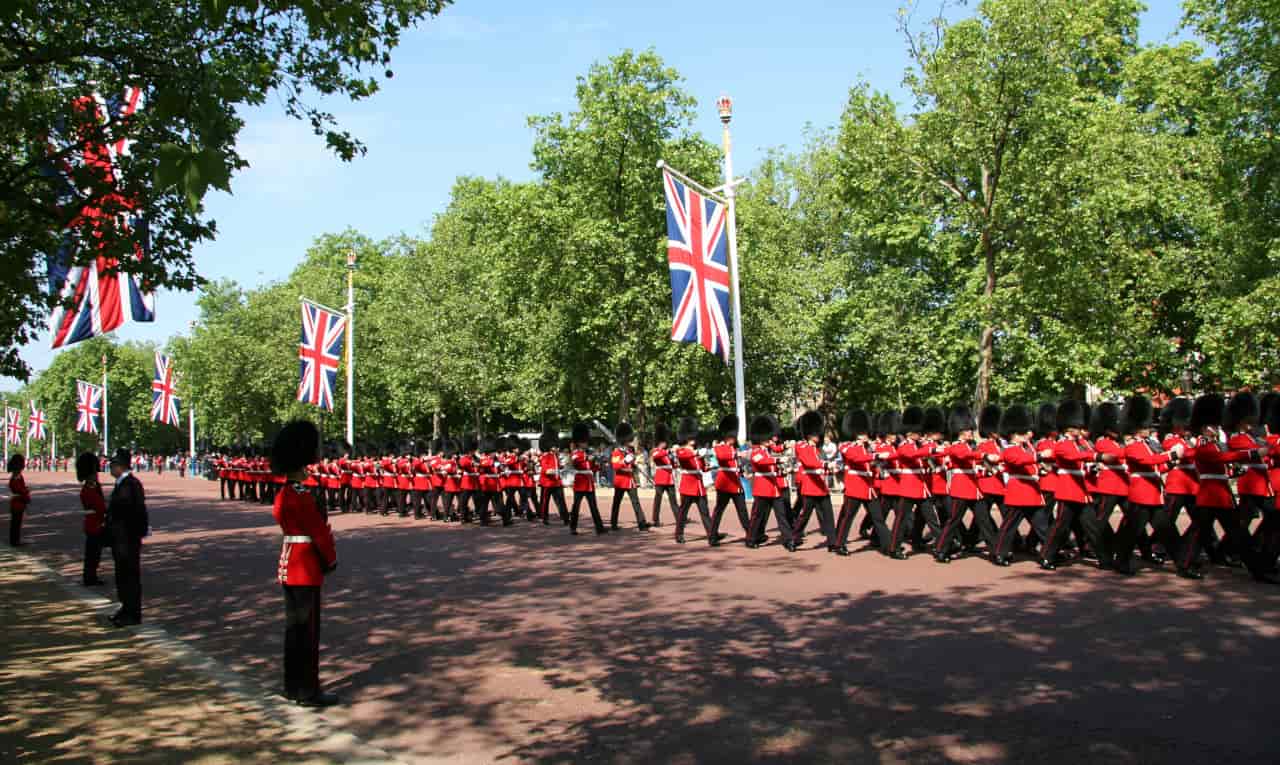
(106, 445)
(725, 106)
(351, 349)
(27, 450)
(191, 431)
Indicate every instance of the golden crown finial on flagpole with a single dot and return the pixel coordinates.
(725, 105)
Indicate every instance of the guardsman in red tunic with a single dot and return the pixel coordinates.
(436, 492)
(96, 535)
(491, 483)
(1182, 481)
(783, 453)
(1111, 482)
(990, 471)
(913, 492)
(728, 479)
(885, 482)
(1073, 456)
(467, 467)
(812, 473)
(19, 498)
(933, 461)
(766, 498)
(549, 479)
(1146, 459)
(1253, 484)
(528, 483)
(1022, 465)
(1046, 438)
(664, 477)
(420, 468)
(404, 480)
(1214, 500)
(509, 475)
(308, 553)
(1271, 420)
(623, 462)
(356, 464)
(452, 479)
(692, 490)
(344, 478)
(962, 487)
(584, 479)
(858, 454)
(371, 481)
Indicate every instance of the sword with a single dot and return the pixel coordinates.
(614, 440)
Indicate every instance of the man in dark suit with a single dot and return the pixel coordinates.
(127, 520)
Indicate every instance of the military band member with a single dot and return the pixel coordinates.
(1046, 438)
(549, 478)
(420, 482)
(509, 476)
(1110, 482)
(528, 474)
(623, 461)
(692, 490)
(468, 468)
(664, 482)
(584, 479)
(766, 498)
(728, 477)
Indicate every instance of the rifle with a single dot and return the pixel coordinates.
(614, 440)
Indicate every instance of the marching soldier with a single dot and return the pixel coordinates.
(452, 477)
(490, 484)
(962, 487)
(549, 477)
(1253, 486)
(1072, 457)
(509, 476)
(623, 461)
(913, 492)
(528, 497)
(692, 490)
(664, 482)
(584, 479)
(1182, 480)
(813, 478)
(1111, 482)
(1145, 458)
(766, 497)
(859, 480)
(728, 478)
(470, 472)
(1022, 465)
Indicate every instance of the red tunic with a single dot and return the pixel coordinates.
(1146, 487)
(1212, 463)
(488, 470)
(1022, 467)
(584, 474)
(963, 481)
(95, 506)
(1070, 458)
(990, 481)
(470, 475)
(663, 474)
(421, 474)
(404, 474)
(728, 474)
(387, 472)
(780, 477)
(1255, 480)
(936, 467)
(691, 469)
(813, 473)
(1182, 478)
(526, 472)
(887, 453)
(1273, 459)
(1112, 477)
(765, 467)
(858, 476)
(437, 474)
(549, 471)
(452, 482)
(910, 457)
(624, 466)
(1049, 480)
(20, 495)
(308, 549)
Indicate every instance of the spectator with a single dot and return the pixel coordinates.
(127, 519)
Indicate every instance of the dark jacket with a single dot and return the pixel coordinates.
(128, 507)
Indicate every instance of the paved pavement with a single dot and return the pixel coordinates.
(467, 644)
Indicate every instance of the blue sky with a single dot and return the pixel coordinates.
(465, 82)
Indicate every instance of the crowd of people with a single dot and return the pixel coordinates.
(1107, 483)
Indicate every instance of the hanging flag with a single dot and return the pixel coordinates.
(36, 423)
(95, 299)
(319, 352)
(13, 425)
(164, 405)
(88, 406)
(698, 257)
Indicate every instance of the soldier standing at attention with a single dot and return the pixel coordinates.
(307, 554)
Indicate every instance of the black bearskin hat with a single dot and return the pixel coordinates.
(989, 421)
(661, 433)
(1242, 411)
(1136, 414)
(728, 426)
(810, 424)
(1271, 412)
(296, 446)
(912, 420)
(934, 420)
(887, 423)
(1046, 419)
(581, 433)
(524, 444)
(1105, 418)
(856, 422)
(1207, 410)
(1016, 419)
(86, 466)
(686, 429)
(624, 432)
(763, 428)
(961, 419)
(1072, 414)
(470, 444)
(16, 462)
(548, 440)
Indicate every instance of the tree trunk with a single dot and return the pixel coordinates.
(476, 410)
(437, 425)
(986, 340)
(624, 391)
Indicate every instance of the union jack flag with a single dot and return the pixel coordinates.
(100, 298)
(88, 406)
(319, 352)
(698, 256)
(13, 426)
(164, 405)
(36, 423)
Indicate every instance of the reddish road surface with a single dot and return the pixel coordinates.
(525, 644)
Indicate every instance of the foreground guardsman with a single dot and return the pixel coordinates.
(692, 489)
(664, 481)
(584, 479)
(623, 461)
(766, 498)
(1253, 486)
(812, 478)
(962, 487)
(1146, 459)
(307, 555)
(858, 455)
(728, 478)
(1022, 494)
(19, 497)
(549, 479)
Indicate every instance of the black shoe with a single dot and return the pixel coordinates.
(943, 558)
(614, 527)
(1125, 570)
(601, 530)
(319, 700)
(120, 620)
(790, 546)
(714, 541)
(508, 523)
(546, 523)
(898, 555)
(656, 525)
(1089, 555)
(574, 532)
(762, 540)
(679, 539)
(840, 550)
(752, 546)
(1003, 562)
(644, 526)
(1048, 565)
(1190, 573)
(1266, 577)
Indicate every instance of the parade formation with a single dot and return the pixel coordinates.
(1059, 482)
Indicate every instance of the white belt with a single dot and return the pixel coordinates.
(964, 472)
(814, 472)
(690, 472)
(663, 467)
(1064, 471)
(1146, 474)
(1117, 468)
(1022, 477)
(471, 475)
(765, 472)
(297, 540)
(584, 472)
(728, 470)
(909, 471)
(862, 473)
(1254, 467)
(1214, 477)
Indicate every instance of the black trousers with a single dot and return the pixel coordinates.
(301, 642)
(93, 544)
(986, 527)
(550, 493)
(371, 499)
(15, 526)
(632, 495)
(126, 552)
(1136, 518)
(1042, 519)
(468, 501)
(433, 503)
(528, 500)
(1267, 537)
(1106, 505)
(450, 513)
(1013, 515)
(826, 517)
(682, 514)
(904, 521)
(1070, 515)
(659, 492)
(590, 498)
(723, 498)
(759, 521)
(926, 515)
(510, 504)
(849, 509)
(493, 501)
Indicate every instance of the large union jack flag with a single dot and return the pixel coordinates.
(164, 405)
(88, 406)
(36, 423)
(95, 298)
(319, 352)
(698, 256)
(12, 425)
